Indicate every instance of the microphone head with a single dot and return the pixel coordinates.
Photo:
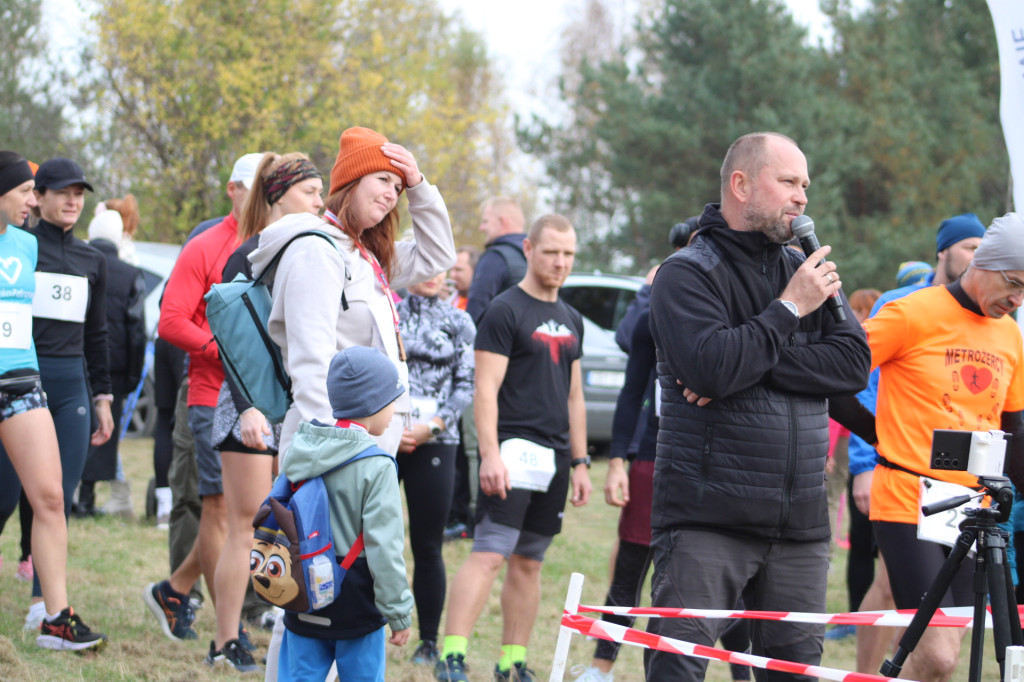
(802, 226)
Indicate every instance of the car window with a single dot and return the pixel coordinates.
(150, 279)
(604, 306)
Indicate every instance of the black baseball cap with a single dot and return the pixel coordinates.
(58, 173)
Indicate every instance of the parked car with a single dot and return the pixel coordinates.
(156, 261)
(602, 300)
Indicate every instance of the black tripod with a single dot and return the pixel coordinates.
(991, 579)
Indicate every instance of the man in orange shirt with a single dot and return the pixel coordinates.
(951, 357)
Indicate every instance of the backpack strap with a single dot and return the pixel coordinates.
(277, 256)
(353, 554)
(372, 451)
(357, 546)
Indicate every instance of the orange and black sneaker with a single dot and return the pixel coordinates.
(67, 631)
(172, 610)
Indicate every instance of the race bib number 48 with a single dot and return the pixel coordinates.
(530, 466)
(60, 297)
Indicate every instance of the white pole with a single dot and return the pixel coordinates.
(1014, 664)
(572, 605)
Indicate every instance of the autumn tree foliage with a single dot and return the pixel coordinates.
(191, 85)
(897, 113)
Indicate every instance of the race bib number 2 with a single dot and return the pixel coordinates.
(60, 297)
(944, 527)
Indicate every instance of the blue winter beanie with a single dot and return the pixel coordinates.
(957, 228)
(361, 382)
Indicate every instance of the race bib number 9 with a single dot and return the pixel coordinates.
(530, 466)
(15, 325)
(60, 297)
(944, 527)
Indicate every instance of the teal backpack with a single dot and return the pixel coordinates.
(238, 312)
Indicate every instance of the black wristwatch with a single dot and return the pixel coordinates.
(580, 460)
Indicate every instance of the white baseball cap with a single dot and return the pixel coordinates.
(244, 170)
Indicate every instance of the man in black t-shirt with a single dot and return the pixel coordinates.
(531, 426)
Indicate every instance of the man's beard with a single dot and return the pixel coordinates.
(773, 227)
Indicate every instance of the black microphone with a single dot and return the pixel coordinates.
(803, 228)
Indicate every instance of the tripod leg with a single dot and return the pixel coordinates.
(998, 589)
(1016, 635)
(930, 602)
(980, 582)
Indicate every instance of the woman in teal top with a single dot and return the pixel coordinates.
(27, 433)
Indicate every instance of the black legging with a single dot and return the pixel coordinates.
(168, 371)
(163, 445)
(860, 562)
(429, 475)
(631, 565)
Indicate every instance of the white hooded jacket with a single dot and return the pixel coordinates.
(307, 320)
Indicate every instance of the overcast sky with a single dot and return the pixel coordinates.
(523, 36)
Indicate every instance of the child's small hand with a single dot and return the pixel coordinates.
(399, 638)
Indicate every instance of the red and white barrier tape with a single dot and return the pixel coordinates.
(955, 617)
(624, 635)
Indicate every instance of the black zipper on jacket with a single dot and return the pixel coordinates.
(791, 457)
(764, 273)
(705, 463)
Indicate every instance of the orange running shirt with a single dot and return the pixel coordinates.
(942, 367)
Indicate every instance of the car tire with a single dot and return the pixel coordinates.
(151, 498)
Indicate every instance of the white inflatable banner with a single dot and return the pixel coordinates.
(1008, 17)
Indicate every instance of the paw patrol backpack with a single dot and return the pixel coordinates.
(293, 563)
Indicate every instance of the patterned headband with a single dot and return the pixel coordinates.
(286, 175)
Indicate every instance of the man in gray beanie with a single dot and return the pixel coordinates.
(951, 357)
(955, 243)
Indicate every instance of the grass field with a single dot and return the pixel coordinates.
(111, 561)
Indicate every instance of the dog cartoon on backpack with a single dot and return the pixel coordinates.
(270, 566)
(274, 558)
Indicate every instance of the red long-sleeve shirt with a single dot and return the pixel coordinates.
(183, 311)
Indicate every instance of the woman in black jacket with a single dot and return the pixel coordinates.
(126, 339)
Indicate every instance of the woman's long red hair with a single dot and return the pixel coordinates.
(379, 239)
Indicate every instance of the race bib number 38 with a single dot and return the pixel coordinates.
(60, 297)
(530, 466)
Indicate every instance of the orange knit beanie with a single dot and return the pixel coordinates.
(359, 154)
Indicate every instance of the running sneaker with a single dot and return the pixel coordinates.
(452, 668)
(35, 616)
(25, 570)
(244, 639)
(593, 674)
(173, 612)
(458, 531)
(517, 673)
(234, 653)
(425, 654)
(67, 631)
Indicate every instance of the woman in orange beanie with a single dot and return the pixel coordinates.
(328, 297)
